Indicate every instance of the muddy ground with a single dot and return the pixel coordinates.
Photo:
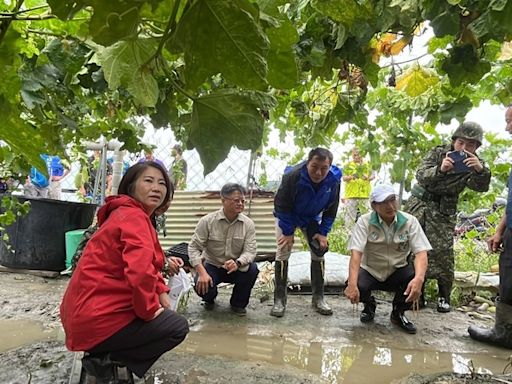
(302, 347)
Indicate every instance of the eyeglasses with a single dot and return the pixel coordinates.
(236, 201)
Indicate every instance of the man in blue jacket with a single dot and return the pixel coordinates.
(308, 199)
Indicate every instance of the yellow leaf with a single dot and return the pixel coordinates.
(399, 45)
(416, 80)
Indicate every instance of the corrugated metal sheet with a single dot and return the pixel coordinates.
(188, 207)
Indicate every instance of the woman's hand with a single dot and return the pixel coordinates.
(165, 300)
(158, 312)
(175, 263)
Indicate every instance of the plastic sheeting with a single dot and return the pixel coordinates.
(336, 269)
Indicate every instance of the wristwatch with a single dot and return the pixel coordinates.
(238, 263)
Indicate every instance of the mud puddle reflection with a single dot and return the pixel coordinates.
(16, 333)
(336, 360)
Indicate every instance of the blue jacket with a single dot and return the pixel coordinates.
(298, 201)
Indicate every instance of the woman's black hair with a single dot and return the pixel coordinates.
(127, 185)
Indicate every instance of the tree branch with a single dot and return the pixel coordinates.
(28, 18)
(405, 61)
(4, 24)
(19, 12)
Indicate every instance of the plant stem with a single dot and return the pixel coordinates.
(171, 24)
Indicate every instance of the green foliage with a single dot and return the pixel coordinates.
(338, 237)
(471, 254)
(169, 60)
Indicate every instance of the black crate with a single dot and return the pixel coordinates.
(179, 250)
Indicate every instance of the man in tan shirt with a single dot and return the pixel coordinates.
(222, 250)
(381, 244)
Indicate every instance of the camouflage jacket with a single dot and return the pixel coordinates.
(449, 185)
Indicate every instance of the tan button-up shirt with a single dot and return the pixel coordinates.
(217, 240)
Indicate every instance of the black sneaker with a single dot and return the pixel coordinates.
(443, 306)
(399, 319)
(239, 311)
(209, 305)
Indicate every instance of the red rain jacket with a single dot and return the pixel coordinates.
(118, 276)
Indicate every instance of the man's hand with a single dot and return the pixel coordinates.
(352, 293)
(204, 282)
(473, 162)
(165, 300)
(230, 266)
(285, 241)
(447, 163)
(322, 241)
(494, 243)
(413, 290)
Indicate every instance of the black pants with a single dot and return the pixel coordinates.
(397, 283)
(243, 283)
(506, 268)
(141, 343)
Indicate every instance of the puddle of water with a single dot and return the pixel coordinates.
(336, 360)
(16, 333)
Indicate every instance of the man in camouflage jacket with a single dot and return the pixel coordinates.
(441, 177)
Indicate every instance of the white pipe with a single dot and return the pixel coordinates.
(117, 170)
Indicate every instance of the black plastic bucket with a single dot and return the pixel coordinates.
(37, 240)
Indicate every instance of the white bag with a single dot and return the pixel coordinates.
(179, 284)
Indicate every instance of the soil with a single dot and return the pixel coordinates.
(302, 347)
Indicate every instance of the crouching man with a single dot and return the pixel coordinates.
(222, 250)
(380, 246)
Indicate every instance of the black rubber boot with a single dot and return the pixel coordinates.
(368, 313)
(501, 334)
(280, 286)
(317, 288)
(443, 301)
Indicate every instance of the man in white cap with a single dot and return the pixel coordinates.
(381, 244)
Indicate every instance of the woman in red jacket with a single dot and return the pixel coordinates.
(116, 304)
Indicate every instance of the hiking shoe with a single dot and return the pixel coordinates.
(443, 306)
(239, 311)
(209, 305)
(399, 319)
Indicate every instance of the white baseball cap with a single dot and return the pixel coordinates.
(381, 192)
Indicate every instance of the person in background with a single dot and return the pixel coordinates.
(178, 170)
(115, 307)
(307, 199)
(501, 333)
(222, 250)
(357, 176)
(380, 246)
(149, 156)
(57, 171)
(442, 176)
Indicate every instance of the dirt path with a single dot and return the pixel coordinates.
(302, 347)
